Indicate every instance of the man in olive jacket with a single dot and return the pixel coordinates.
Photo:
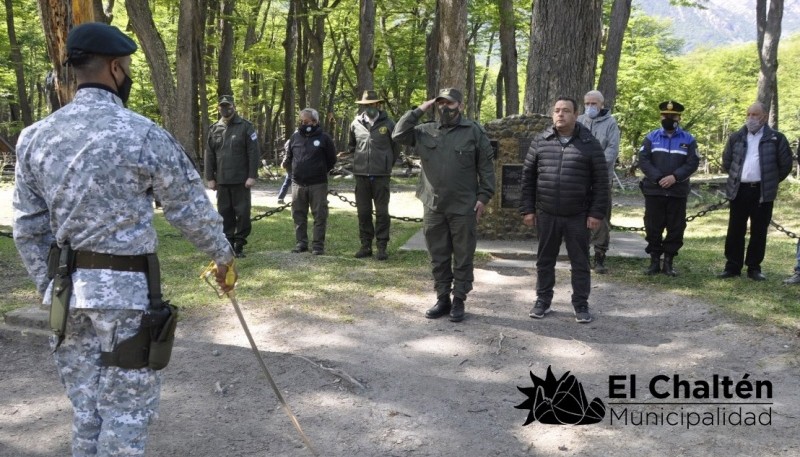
(456, 183)
(231, 168)
(565, 195)
(757, 158)
(374, 154)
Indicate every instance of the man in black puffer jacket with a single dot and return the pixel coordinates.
(757, 159)
(565, 195)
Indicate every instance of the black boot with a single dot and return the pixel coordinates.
(382, 254)
(600, 263)
(668, 270)
(655, 265)
(365, 251)
(457, 311)
(238, 250)
(441, 308)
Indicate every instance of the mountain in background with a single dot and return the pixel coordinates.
(723, 22)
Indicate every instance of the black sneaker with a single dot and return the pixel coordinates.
(539, 309)
(582, 315)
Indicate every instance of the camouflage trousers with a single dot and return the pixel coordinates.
(112, 406)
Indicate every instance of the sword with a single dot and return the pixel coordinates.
(207, 274)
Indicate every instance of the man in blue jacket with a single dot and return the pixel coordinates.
(668, 157)
(757, 159)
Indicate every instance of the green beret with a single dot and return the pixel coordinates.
(98, 38)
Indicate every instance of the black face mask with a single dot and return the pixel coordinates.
(669, 124)
(124, 90)
(226, 112)
(448, 116)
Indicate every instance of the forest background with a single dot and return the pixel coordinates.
(510, 56)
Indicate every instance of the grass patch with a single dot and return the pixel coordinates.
(702, 258)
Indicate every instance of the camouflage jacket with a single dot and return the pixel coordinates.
(88, 174)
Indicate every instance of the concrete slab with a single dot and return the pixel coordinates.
(522, 253)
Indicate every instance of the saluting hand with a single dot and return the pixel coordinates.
(426, 105)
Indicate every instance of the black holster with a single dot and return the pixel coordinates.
(151, 346)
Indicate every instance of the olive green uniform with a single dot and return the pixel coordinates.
(457, 172)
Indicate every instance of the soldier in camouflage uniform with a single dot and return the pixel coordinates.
(87, 176)
(231, 166)
(456, 183)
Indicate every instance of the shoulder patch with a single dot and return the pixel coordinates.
(253, 136)
(383, 130)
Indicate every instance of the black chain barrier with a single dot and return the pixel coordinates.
(619, 228)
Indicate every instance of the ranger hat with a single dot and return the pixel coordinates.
(369, 97)
(98, 38)
(670, 107)
(226, 100)
(452, 94)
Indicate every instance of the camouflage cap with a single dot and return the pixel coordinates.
(226, 100)
(98, 38)
(451, 94)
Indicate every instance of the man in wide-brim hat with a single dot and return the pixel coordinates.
(374, 153)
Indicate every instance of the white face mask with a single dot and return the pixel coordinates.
(753, 124)
(592, 111)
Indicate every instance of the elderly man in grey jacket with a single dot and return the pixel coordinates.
(604, 127)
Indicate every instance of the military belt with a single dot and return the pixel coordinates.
(95, 261)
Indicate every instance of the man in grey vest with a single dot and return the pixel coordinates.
(374, 154)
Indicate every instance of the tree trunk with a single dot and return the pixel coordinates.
(471, 89)
(141, 19)
(620, 13)
(103, 14)
(19, 67)
(508, 56)
(289, 52)
(225, 65)
(432, 45)
(453, 44)
(498, 95)
(565, 41)
(769, 34)
(366, 46)
(56, 22)
(189, 47)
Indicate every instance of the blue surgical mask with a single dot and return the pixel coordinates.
(592, 111)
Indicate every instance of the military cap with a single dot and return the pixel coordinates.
(670, 107)
(451, 94)
(226, 99)
(369, 97)
(98, 38)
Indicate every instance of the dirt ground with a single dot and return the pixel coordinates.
(432, 387)
(393, 383)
